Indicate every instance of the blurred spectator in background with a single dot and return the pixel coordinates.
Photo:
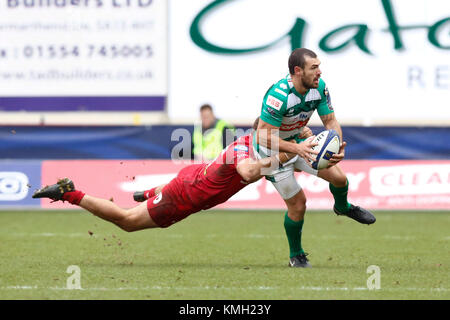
(212, 136)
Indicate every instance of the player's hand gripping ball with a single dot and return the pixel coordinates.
(328, 144)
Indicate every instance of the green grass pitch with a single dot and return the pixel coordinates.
(231, 255)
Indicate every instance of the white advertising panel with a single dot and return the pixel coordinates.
(82, 48)
(384, 61)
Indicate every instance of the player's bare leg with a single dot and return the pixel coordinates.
(334, 175)
(339, 188)
(296, 206)
(293, 225)
(133, 219)
(130, 220)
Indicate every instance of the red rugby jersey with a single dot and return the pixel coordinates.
(207, 185)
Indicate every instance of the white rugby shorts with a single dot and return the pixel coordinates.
(283, 178)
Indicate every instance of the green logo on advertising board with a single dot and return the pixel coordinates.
(358, 33)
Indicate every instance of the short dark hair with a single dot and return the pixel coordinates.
(206, 106)
(297, 58)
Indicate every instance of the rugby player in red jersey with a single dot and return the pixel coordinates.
(196, 187)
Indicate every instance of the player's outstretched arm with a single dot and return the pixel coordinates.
(252, 170)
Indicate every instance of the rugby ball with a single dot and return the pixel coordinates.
(328, 144)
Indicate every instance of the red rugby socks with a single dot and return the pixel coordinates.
(74, 197)
(150, 193)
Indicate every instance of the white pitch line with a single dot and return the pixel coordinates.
(251, 236)
(222, 288)
(395, 237)
(49, 234)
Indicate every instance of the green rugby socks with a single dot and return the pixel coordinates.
(340, 198)
(294, 235)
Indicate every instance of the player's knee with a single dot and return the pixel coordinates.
(340, 180)
(128, 228)
(297, 214)
(300, 208)
(128, 223)
(125, 226)
(297, 208)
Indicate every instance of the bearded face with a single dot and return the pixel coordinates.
(311, 73)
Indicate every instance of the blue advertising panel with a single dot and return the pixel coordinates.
(34, 104)
(18, 180)
(159, 141)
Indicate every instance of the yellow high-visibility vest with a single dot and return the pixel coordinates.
(210, 145)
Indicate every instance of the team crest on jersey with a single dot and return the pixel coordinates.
(326, 93)
(290, 112)
(283, 86)
(274, 102)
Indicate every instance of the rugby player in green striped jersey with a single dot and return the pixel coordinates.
(286, 109)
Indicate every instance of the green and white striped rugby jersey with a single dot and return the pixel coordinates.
(289, 110)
